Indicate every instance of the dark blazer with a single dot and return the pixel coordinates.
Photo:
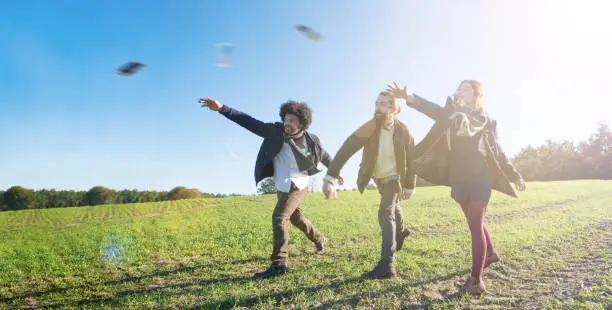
(432, 153)
(368, 137)
(273, 134)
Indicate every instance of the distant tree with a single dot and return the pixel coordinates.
(135, 196)
(206, 195)
(267, 186)
(181, 192)
(597, 153)
(78, 198)
(98, 195)
(591, 159)
(558, 161)
(148, 196)
(19, 198)
(528, 163)
(2, 205)
(161, 196)
(128, 196)
(43, 199)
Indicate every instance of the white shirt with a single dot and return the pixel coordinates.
(286, 170)
(385, 162)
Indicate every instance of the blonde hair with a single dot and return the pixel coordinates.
(398, 106)
(477, 87)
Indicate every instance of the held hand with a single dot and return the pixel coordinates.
(329, 190)
(520, 185)
(212, 104)
(407, 193)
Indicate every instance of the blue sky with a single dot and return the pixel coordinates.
(68, 121)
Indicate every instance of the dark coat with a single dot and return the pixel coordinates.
(432, 153)
(273, 134)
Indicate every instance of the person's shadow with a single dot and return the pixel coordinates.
(136, 279)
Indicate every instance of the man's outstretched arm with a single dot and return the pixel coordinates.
(253, 125)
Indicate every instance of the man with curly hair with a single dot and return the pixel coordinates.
(290, 154)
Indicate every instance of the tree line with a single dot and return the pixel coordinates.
(18, 197)
(566, 160)
(552, 161)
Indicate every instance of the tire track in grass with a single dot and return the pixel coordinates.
(45, 218)
(529, 284)
(510, 284)
(84, 215)
(442, 229)
(29, 217)
(163, 207)
(537, 286)
(106, 213)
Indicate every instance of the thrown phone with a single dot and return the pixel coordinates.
(130, 68)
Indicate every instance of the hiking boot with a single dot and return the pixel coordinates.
(272, 271)
(321, 246)
(473, 285)
(400, 239)
(381, 271)
(491, 258)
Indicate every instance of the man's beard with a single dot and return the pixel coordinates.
(383, 116)
(297, 133)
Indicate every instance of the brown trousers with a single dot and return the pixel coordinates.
(289, 208)
(390, 219)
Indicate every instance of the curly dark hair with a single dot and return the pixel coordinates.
(299, 109)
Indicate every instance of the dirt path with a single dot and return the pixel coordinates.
(555, 281)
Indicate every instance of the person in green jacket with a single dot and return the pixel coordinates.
(387, 146)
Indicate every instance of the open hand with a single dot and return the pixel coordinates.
(210, 103)
(401, 93)
(396, 91)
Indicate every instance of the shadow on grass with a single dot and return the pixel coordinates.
(353, 300)
(113, 300)
(225, 302)
(336, 285)
(231, 301)
(139, 278)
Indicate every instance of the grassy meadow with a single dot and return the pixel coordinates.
(555, 242)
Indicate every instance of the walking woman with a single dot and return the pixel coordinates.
(461, 151)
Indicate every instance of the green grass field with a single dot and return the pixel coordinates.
(555, 242)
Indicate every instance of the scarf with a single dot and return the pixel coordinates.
(466, 122)
(303, 159)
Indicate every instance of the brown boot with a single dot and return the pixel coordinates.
(474, 285)
(321, 246)
(491, 258)
(399, 241)
(272, 271)
(381, 271)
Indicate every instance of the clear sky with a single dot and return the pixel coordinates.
(67, 121)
